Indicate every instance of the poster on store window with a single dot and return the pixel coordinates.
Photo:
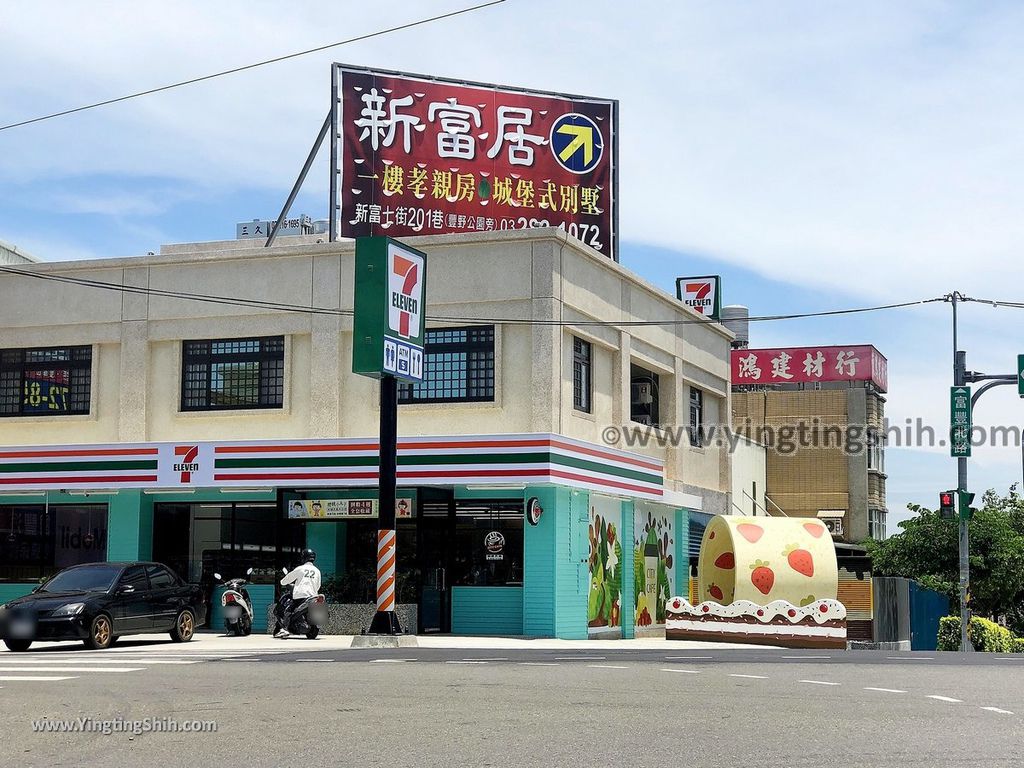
(604, 604)
(654, 538)
(343, 509)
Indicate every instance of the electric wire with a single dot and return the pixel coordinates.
(235, 70)
(314, 310)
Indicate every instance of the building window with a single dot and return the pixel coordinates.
(36, 541)
(581, 375)
(644, 396)
(876, 451)
(458, 367)
(231, 374)
(696, 417)
(876, 523)
(51, 381)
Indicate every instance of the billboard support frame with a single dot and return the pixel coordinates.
(299, 182)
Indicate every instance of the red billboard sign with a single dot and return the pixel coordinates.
(418, 155)
(802, 365)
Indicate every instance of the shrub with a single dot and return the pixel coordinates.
(1017, 645)
(986, 636)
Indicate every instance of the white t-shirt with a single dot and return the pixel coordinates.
(306, 579)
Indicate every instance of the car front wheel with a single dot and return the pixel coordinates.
(184, 627)
(101, 633)
(18, 646)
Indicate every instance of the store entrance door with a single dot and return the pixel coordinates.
(435, 531)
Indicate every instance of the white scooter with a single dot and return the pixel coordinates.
(237, 605)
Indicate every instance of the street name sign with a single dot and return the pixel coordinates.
(960, 422)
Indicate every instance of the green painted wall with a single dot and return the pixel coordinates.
(262, 596)
(556, 578)
(627, 599)
(12, 590)
(328, 541)
(130, 526)
(487, 610)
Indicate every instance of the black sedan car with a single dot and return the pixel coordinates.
(99, 602)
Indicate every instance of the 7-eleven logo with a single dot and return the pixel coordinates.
(186, 463)
(699, 295)
(405, 292)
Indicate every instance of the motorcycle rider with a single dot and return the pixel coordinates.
(306, 583)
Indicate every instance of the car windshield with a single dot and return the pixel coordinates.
(98, 579)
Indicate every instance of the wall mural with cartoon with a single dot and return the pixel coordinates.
(604, 606)
(654, 537)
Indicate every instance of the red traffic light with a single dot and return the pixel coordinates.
(947, 504)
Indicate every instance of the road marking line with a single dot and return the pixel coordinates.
(818, 682)
(1009, 658)
(390, 661)
(580, 658)
(605, 666)
(682, 671)
(751, 677)
(807, 657)
(466, 661)
(31, 678)
(70, 669)
(316, 660)
(911, 658)
(998, 710)
(489, 658)
(885, 690)
(252, 660)
(93, 661)
(538, 664)
(945, 698)
(685, 658)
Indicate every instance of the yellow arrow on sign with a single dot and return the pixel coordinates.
(584, 137)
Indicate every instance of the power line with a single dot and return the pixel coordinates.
(312, 310)
(235, 70)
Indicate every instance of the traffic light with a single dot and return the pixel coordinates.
(966, 510)
(947, 505)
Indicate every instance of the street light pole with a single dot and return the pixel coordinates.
(959, 374)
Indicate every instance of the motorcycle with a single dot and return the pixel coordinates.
(307, 617)
(237, 605)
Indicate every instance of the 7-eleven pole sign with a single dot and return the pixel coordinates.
(390, 285)
(701, 294)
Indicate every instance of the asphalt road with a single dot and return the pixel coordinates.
(450, 707)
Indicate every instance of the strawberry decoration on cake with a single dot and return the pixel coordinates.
(800, 560)
(761, 576)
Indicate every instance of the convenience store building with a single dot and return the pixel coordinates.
(142, 416)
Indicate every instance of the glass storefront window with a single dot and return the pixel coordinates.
(198, 540)
(488, 544)
(37, 540)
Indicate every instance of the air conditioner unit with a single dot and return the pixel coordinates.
(834, 525)
(641, 392)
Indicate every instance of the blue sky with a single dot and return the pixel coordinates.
(817, 155)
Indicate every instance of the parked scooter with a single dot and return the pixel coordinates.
(306, 618)
(237, 605)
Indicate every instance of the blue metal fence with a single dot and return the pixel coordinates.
(926, 608)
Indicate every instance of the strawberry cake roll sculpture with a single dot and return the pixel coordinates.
(766, 580)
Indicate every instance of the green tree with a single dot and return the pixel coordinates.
(927, 550)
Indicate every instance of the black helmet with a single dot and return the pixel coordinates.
(308, 556)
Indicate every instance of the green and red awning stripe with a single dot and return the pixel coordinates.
(451, 463)
(68, 453)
